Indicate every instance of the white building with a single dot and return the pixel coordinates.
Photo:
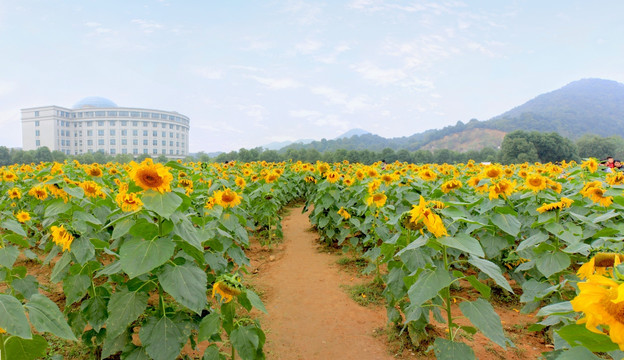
(98, 124)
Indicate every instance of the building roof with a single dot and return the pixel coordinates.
(94, 102)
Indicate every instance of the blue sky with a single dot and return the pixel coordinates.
(248, 73)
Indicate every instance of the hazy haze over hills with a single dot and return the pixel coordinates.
(587, 106)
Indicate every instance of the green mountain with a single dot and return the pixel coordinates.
(587, 106)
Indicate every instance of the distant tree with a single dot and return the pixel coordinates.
(5, 156)
(139, 158)
(162, 159)
(58, 156)
(404, 156)
(388, 155)
(43, 154)
(517, 148)
(423, 157)
(597, 146)
(123, 158)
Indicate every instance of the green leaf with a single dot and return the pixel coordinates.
(13, 318)
(61, 267)
(28, 286)
(8, 255)
(162, 204)
(122, 228)
(162, 338)
(551, 262)
(532, 241)
(577, 353)
(19, 240)
(428, 285)
(86, 217)
(451, 350)
(246, 341)
(479, 286)
(482, 315)
(564, 307)
(255, 301)
(212, 353)
(13, 225)
(492, 270)
(533, 290)
(137, 354)
(187, 284)
(83, 250)
(124, 307)
(140, 256)
(209, 326)
(46, 317)
(75, 287)
(113, 345)
(506, 222)
(56, 207)
(94, 311)
(578, 335)
(25, 349)
(463, 242)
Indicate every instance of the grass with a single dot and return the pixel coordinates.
(356, 265)
(400, 341)
(367, 294)
(59, 349)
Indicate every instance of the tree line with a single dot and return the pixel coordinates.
(517, 147)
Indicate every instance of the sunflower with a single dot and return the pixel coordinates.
(187, 184)
(493, 172)
(564, 203)
(210, 203)
(15, 193)
(310, 179)
(590, 164)
(374, 185)
(422, 214)
(450, 185)
(271, 177)
(348, 180)
(379, 199)
(371, 172)
(388, 179)
(615, 178)
(342, 212)
(9, 176)
(128, 201)
(427, 175)
(152, 176)
(596, 194)
(240, 182)
(94, 170)
(22, 216)
(92, 189)
(332, 176)
(535, 182)
(227, 198)
(360, 175)
(39, 192)
(502, 188)
(61, 237)
(601, 305)
(436, 204)
(227, 287)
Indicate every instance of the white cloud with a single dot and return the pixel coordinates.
(337, 97)
(97, 28)
(308, 46)
(304, 113)
(303, 13)
(256, 112)
(258, 45)
(208, 73)
(381, 76)
(148, 26)
(333, 121)
(277, 83)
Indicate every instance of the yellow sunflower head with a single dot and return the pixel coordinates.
(152, 176)
(22, 216)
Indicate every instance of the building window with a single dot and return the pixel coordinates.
(124, 123)
(112, 132)
(170, 126)
(38, 142)
(144, 123)
(112, 151)
(89, 123)
(135, 132)
(100, 132)
(111, 123)
(170, 152)
(177, 144)
(145, 142)
(144, 114)
(100, 123)
(135, 142)
(170, 143)
(36, 113)
(164, 126)
(100, 141)
(123, 113)
(144, 132)
(154, 124)
(155, 116)
(164, 134)
(124, 141)
(135, 123)
(144, 151)
(164, 143)
(100, 113)
(170, 134)
(163, 151)
(112, 113)
(177, 135)
(124, 151)
(112, 141)
(36, 132)
(155, 151)
(89, 132)
(37, 123)
(135, 151)
(124, 132)
(154, 133)
(89, 142)
(135, 114)
(155, 142)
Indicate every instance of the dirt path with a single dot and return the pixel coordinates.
(310, 315)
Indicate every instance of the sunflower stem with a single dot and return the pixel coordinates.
(447, 297)
(160, 226)
(3, 355)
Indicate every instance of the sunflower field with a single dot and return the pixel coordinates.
(151, 257)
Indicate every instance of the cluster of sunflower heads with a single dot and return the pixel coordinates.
(227, 287)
